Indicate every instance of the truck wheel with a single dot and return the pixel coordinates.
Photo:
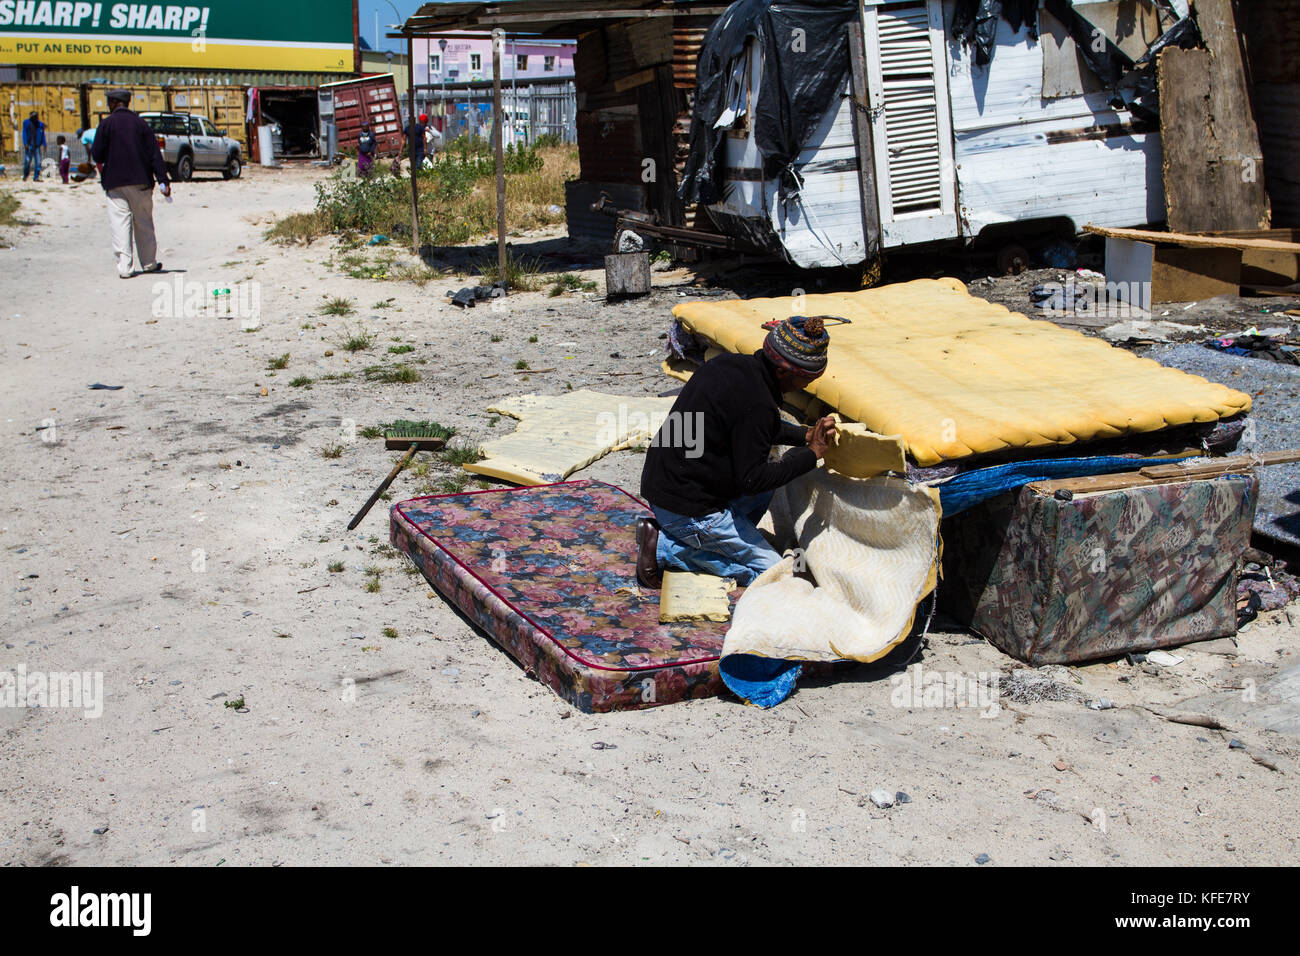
(185, 168)
(233, 168)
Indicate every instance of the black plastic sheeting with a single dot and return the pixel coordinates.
(975, 23)
(796, 85)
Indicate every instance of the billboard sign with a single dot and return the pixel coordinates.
(287, 35)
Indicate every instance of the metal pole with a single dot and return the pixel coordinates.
(498, 40)
(415, 195)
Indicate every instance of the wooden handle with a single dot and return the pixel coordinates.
(1216, 466)
(383, 486)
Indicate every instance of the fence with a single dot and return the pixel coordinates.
(531, 111)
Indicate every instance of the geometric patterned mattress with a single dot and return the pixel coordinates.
(549, 573)
(955, 375)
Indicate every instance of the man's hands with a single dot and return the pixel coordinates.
(820, 434)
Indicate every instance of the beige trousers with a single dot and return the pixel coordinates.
(130, 221)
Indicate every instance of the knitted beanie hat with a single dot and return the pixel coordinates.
(798, 344)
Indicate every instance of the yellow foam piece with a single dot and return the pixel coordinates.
(691, 596)
(859, 452)
(558, 434)
(955, 375)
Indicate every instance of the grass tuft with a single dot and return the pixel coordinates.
(357, 341)
(391, 374)
(337, 305)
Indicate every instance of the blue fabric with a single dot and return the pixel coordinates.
(970, 488)
(762, 681)
(726, 543)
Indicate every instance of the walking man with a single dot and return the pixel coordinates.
(128, 151)
(33, 143)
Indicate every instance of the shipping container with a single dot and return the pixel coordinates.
(224, 105)
(348, 103)
(59, 108)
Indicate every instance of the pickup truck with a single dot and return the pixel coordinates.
(189, 141)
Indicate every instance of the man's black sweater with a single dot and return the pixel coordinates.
(737, 400)
(128, 148)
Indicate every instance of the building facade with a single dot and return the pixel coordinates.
(468, 59)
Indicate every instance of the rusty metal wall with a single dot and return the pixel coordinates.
(373, 99)
(688, 40)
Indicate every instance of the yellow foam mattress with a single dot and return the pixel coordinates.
(956, 375)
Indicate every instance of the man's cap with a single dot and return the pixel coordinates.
(798, 344)
(119, 96)
(424, 117)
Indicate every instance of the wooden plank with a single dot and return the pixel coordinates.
(1165, 474)
(1191, 239)
(1264, 267)
(1065, 72)
(862, 141)
(636, 79)
(1221, 465)
(1213, 164)
(627, 274)
(1187, 275)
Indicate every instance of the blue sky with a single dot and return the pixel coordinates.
(366, 11)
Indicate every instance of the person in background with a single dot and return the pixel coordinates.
(87, 138)
(33, 143)
(65, 158)
(432, 140)
(415, 142)
(365, 151)
(131, 162)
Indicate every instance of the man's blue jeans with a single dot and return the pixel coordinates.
(726, 543)
(32, 159)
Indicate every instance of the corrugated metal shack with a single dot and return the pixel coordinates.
(955, 120)
(635, 75)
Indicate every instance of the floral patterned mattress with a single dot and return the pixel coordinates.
(548, 572)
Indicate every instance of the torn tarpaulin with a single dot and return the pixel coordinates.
(975, 23)
(804, 57)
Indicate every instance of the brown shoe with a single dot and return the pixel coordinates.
(648, 574)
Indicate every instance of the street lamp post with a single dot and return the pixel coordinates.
(442, 73)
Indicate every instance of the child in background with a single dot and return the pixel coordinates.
(65, 158)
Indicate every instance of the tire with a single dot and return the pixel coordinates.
(233, 168)
(185, 168)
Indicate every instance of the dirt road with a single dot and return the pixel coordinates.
(175, 536)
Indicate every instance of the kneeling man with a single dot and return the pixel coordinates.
(708, 498)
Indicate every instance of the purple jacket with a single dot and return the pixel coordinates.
(128, 148)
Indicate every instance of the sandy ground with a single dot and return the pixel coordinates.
(175, 536)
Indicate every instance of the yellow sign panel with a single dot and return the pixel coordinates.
(132, 52)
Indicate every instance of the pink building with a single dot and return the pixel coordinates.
(469, 58)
